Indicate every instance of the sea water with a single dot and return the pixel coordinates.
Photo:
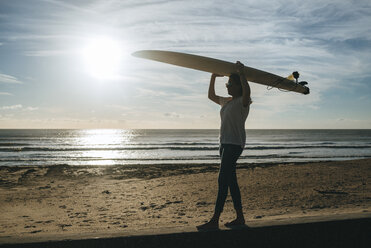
(124, 147)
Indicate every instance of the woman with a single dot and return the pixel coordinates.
(233, 113)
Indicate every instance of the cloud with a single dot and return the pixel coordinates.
(9, 79)
(45, 53)
(118, 107)
(18, 107)
(12, 107)
(68, 6)
(31, 108)
(5, 94)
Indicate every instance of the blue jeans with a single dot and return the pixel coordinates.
(227, 177)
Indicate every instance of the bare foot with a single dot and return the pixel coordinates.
(211, 225)
(236, 222)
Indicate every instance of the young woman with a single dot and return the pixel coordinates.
(233, 113)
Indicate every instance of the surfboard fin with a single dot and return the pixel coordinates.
(290, 77)
(294, 76)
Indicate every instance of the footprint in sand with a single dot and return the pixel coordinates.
(84, 225)
(258, 216)
(202, 203)
(29, 226)
(48, 221)
(63, 226)
(45, 187)
(143, 208)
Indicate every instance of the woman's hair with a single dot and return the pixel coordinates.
(235, 78)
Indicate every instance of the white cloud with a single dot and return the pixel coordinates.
(5, 94)
(45, 53)
(18, 107)
(118, 107)
(9, 79)
(68, 6)
(12, 107)
(31, 108)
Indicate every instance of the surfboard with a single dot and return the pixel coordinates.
(221, 67)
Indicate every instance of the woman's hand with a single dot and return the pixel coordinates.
(240, 67)
(214, 75)
(246, 91)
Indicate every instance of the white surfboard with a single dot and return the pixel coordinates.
(222, 68)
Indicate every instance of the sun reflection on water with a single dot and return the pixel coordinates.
(101, 144)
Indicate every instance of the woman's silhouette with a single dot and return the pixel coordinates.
(233, 113)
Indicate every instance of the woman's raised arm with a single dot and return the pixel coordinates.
(211, 94)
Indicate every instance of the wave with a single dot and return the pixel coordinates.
(14, 144)
(257, 157)
(183, 148)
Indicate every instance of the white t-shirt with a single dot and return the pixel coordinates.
(233, 116)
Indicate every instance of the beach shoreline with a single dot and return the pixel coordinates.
(60, 201)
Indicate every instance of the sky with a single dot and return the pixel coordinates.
(68, 64)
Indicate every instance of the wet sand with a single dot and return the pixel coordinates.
(57, 201)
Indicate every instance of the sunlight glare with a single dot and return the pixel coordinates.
(100, 146)
(102, 57)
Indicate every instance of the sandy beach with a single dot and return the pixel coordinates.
(56, 201)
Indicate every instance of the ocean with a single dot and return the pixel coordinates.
(135, 147)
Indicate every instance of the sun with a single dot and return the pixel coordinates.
(102, 57)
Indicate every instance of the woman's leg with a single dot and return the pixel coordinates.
(222, 194)
(234, 188)
(226, 179)
(223, 178)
